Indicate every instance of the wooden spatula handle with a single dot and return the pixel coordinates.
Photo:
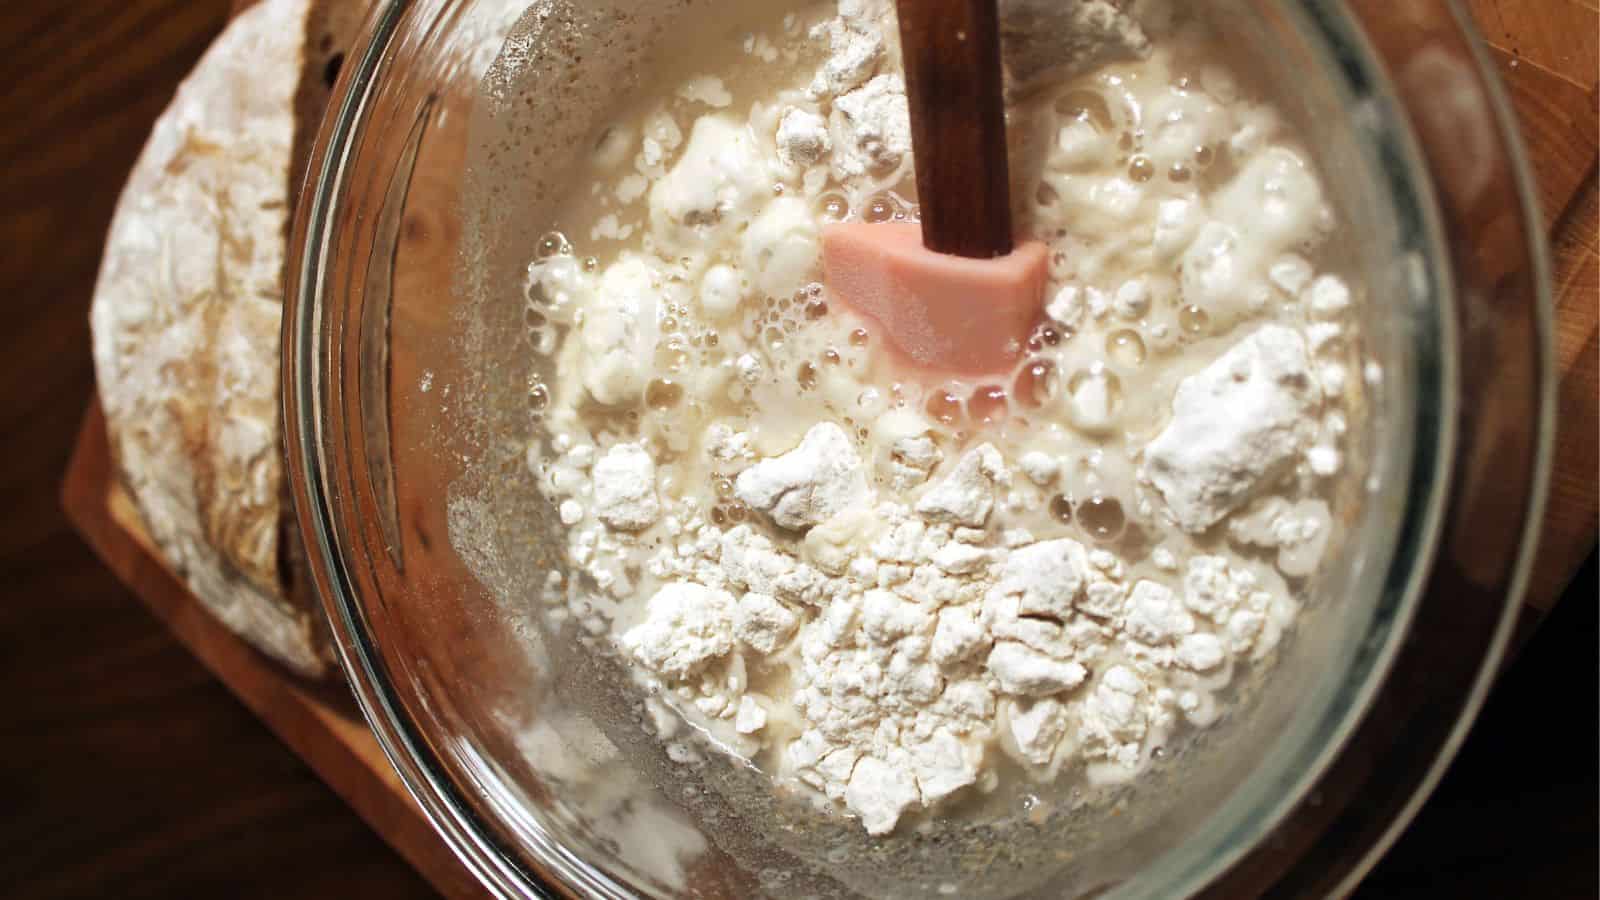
(958, 128)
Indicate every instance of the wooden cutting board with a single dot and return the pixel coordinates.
(1546, 51)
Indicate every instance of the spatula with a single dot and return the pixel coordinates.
(952, 295)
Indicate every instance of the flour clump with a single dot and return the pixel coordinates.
(810, 483)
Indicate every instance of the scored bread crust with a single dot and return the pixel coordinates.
(186, 318)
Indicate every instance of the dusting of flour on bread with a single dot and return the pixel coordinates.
(186, 319)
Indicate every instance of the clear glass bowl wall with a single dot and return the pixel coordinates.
(405, 386)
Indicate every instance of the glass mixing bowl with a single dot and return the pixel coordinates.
(406, 376)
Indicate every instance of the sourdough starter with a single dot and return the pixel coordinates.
(889, 591)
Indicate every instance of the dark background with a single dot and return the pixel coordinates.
(126, 771)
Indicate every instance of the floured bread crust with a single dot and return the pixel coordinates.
(186, 320)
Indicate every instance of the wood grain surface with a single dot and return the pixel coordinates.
(129, 771)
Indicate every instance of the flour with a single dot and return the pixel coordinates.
(966, 495)
(1048, 577)
(707, 89)
(625, 488)
(751, 718)
(802, 137)
(1155, 615)
(1233, 425)
(1037, 728)
(912, 459)
(810, 483)
(871, 128)
(1041, 468)
(855, 45)
(762, 623)
(780, 247)
(1050, 39)
(686, 626)
(719, 292)
(870, 584)
(1021, 670)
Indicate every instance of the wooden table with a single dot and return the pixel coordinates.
(129, 771)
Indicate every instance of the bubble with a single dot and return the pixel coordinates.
(1204, 156)
(859, 337)
(1036, 383)
(806, 376)
(723, 487)
(831, 356)
(590, 263)
(1050, 334)
(881, 208)
(944, 406)
(1193, 320)
(816, 309)
(669, 323)
(1179, 173)
(833, 207)
(538, 396)
(553, 243)
(662, 393)
(774, 338)
(988, 404)
(1061, 508)
(1141, 169)
(1102, 517)
(1125, 348)
(736, 512)
(718, 516)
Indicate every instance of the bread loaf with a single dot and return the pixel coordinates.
(186, 319)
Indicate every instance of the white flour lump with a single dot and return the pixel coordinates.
(1233, 424)
(802, 137)
(1048, 576)
(966, 496)
(810, 483)
(890, 591)
(686, 626)
(625, 488)
(871, 127)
